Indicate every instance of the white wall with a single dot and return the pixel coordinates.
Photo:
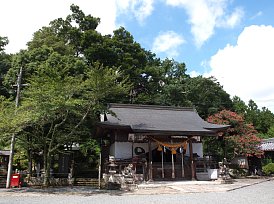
(197, 148)
(123, 150)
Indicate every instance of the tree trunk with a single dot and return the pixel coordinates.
(47, 162)
(29, 155)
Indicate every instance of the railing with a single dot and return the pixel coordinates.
(202, 164)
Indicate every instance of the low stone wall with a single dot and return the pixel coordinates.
(38, 181)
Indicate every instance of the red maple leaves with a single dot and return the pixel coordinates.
(242, 136)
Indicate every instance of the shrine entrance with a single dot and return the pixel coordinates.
(169, 160)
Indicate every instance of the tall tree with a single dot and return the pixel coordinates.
(5, 64)
(207, 95)
(57, 104)
(239, 105)
(262, 119)
(169, 79)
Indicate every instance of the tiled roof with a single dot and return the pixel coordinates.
(268, 144)
(164, 119)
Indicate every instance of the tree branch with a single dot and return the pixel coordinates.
(81, 121)
(54, 130)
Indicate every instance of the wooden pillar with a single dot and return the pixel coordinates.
(173, 169)
(132, 149)
(193, 170)
(183, 170)
(99, 169)
(163, 172)
(172, 162)
(149, 161)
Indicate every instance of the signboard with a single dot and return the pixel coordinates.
(136, 137)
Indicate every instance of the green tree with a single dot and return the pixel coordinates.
(239, 105)
(270, 132)
(5, 64)
(3, 42)
(76, 35)
(60, 103)
(262, 119)
(207, 95)
(171, 84)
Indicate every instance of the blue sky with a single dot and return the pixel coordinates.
(231, 40)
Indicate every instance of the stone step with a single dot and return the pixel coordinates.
(86, 182)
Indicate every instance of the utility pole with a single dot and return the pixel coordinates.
(19, 80)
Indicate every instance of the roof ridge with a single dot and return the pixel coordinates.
(268, 140)
(156, 107)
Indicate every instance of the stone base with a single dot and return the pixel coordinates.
(225, 180)
(113, 186)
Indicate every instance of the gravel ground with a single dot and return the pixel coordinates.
(243, 191)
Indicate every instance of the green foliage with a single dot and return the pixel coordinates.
(3, 42)
(5, 64)
(90, 145)
(207, 95)
(47, 37)
(20, 160)
(262, 119)
(104, 84)
(270, 132)
(12, 120)
(164, 84)
(268, 169)
(91, 149)
(239, 105)
(266, 161)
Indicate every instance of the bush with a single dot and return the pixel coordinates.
(266, 161)
(268, 169)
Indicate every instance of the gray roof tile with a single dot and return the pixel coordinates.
(267, 144)
(148, 118)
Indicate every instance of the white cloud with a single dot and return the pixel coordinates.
(246, 69)
(229, 21)
(206, 15)
(107, 14)
(141, 9)
(168, 42)
(258, 14)
(194, 74)
(20, 19)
